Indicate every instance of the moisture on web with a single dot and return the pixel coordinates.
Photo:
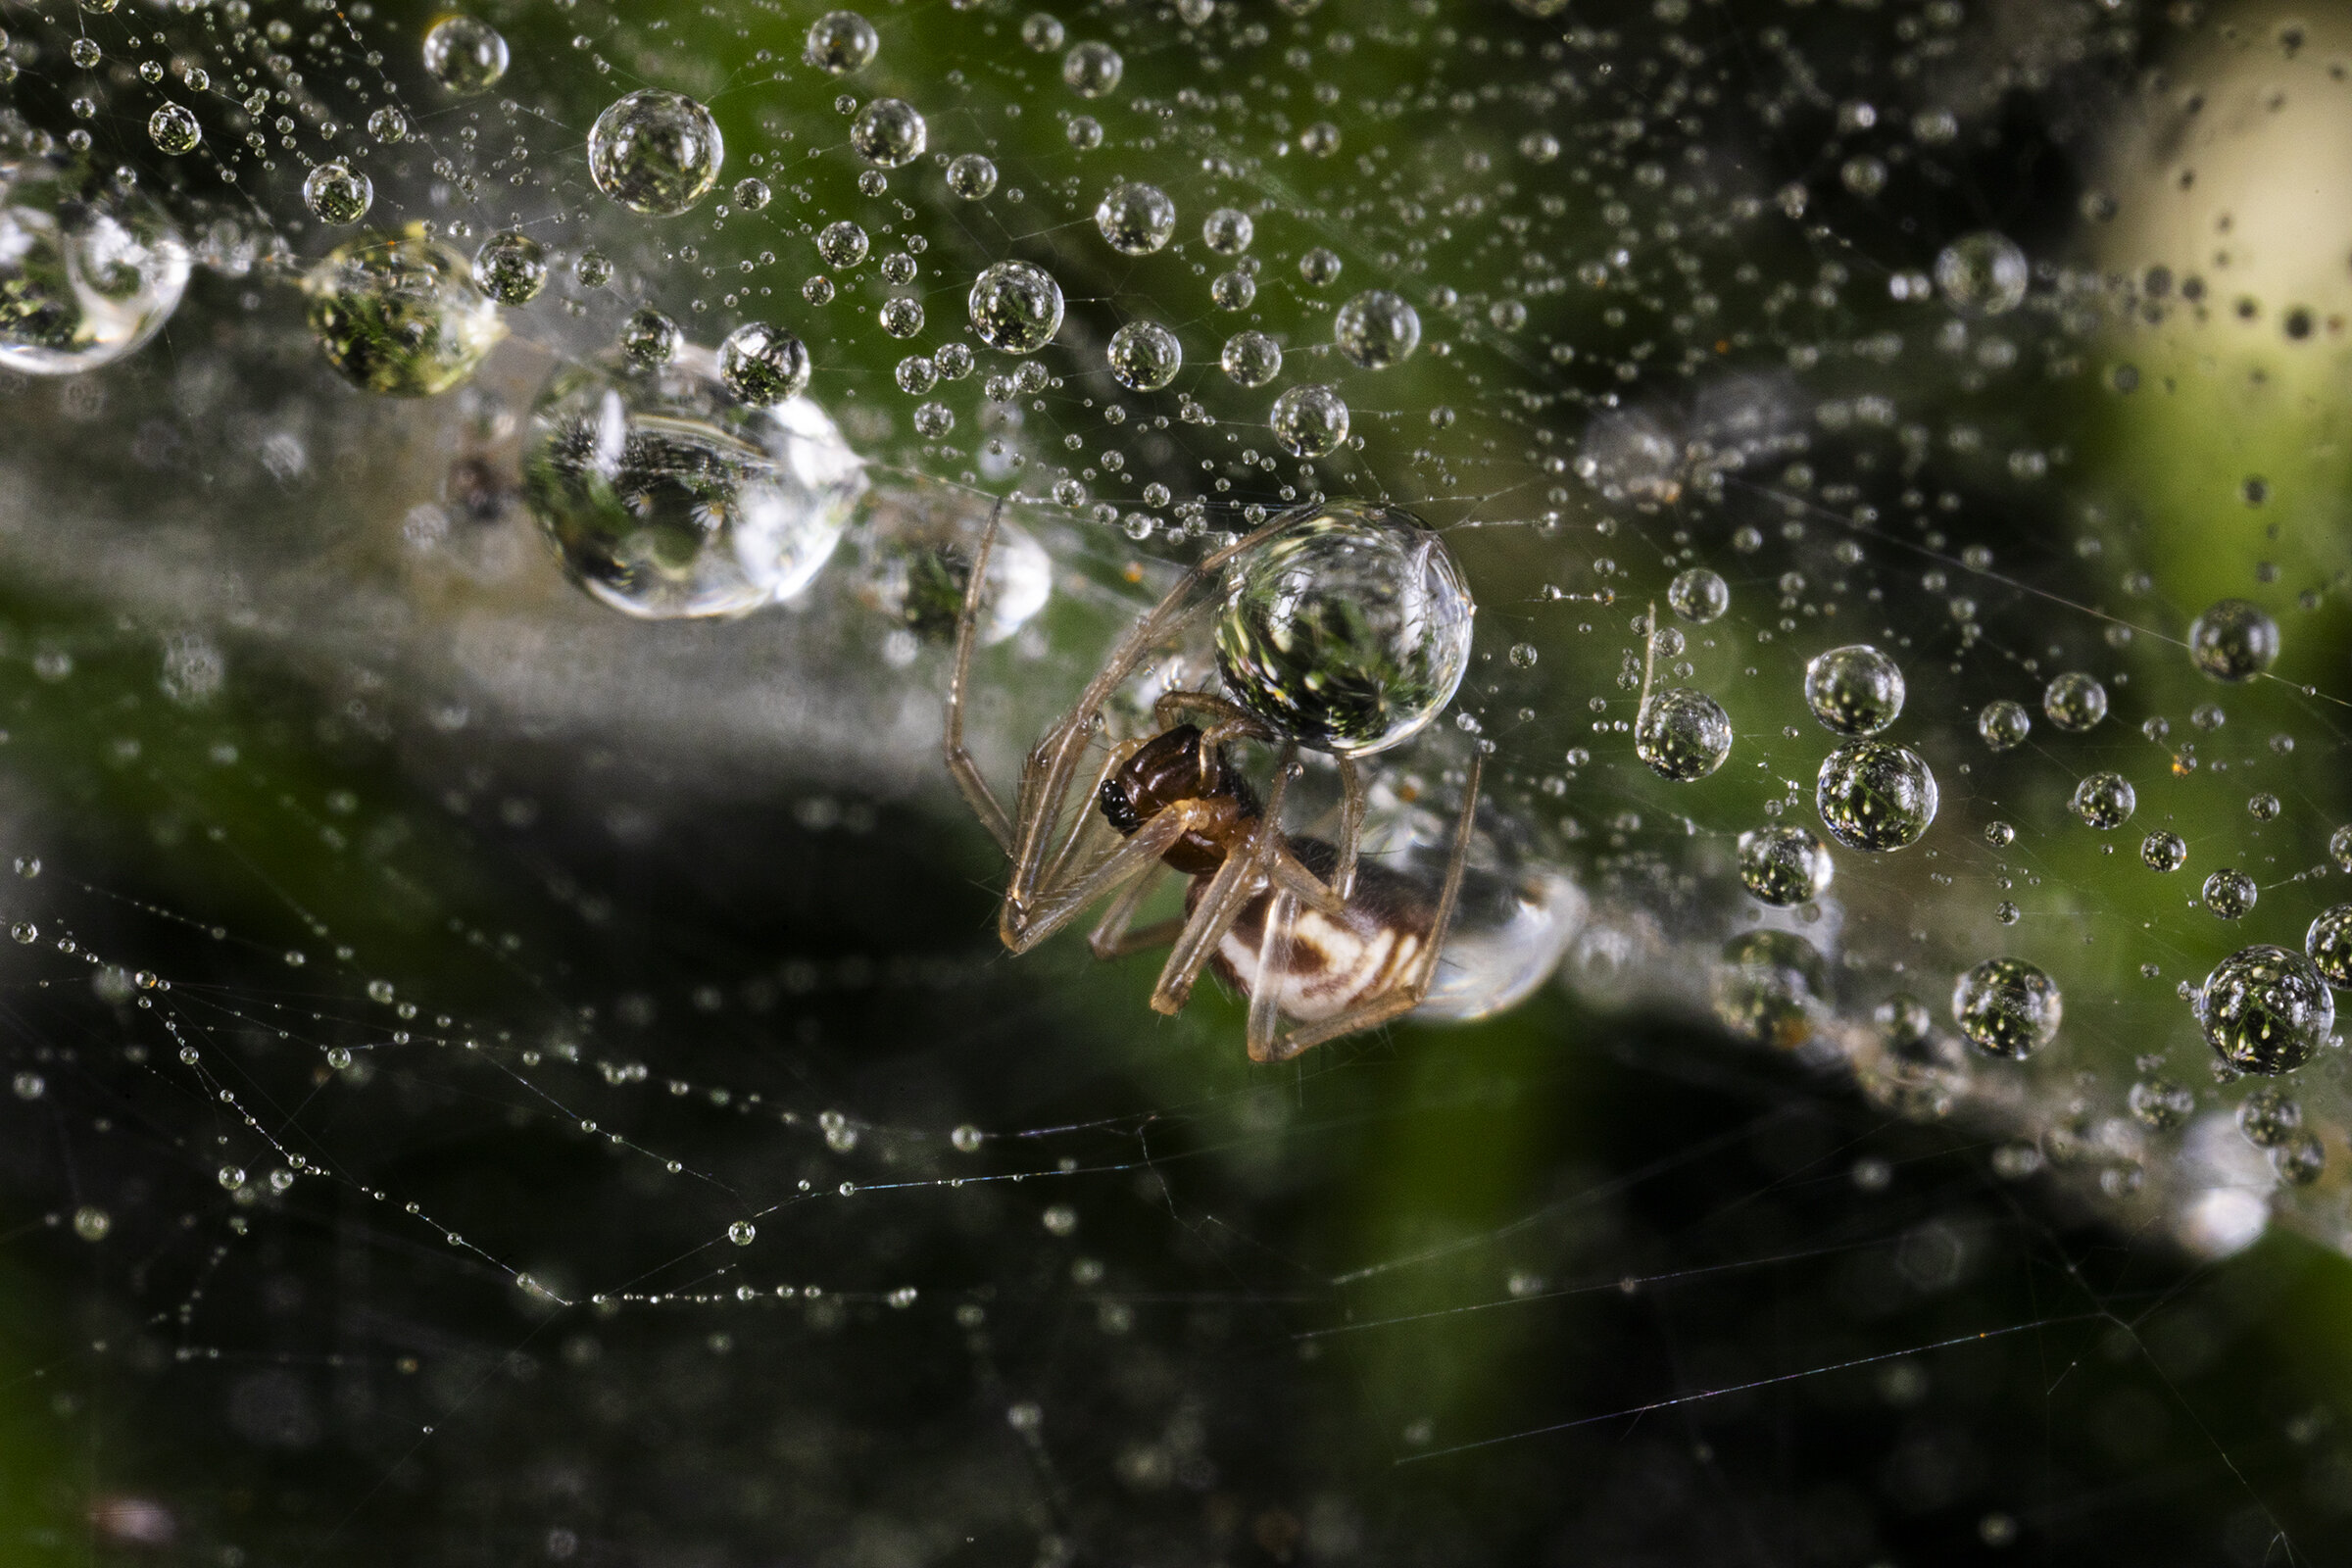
(509, 1057)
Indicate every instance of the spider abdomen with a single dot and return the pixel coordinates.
(1334, 964)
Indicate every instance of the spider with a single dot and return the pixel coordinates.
(1295, 924)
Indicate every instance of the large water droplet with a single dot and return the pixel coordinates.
(2007, 1006)
(888, 134)
(1984, 273)
(463, 55)
(401, 316)
(1347, 626)
(2075, 702)
(338, 193)
(1092, 68)
(175, 131)
(655, 152)
(511, 268)
(1136, 219)
(2233, 641)
(1769, 986)
(1874, 796)
(1784, 864)
(1683, 734)
(1015, 307)
(764, 364)
(1250, 358)
(1699, 595)
(2265, 1010)
(665, 496)
(840, 42)
(1855, 690)
(1377, 330)
(2003, 725)
(87, 274)
(2105, 800)
(1145, 356)
(1311, 421)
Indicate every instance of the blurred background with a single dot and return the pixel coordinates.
(509, 1056)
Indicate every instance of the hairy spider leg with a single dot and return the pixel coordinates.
(961, 766)
(1112, 938)
(1266, 1046)
(1134, 856)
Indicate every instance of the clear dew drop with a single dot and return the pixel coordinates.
(1855, 690)
(888, 134)
(1984, 273)
(2003, 725)
(2075, 702)
(92, 1223)
(2161, 1105)
(650, 339)
(1874, 796)
(1309, 420)
(1347, 626)
(1145, 356)
(338, 193)
(388, 125)
(1698, 596)
(463, 55)
(764, 364)
(1135, 219)
(655, 152)
(2007, 1006)
(2229, 893)
(666, 496)
(2339, 847)
(1377, 330)
(2265, 1010)
(971, 176)
(88, 272)
(743, 1233)
(840, 42)
(1683, 734)
(2164, 850)
(841, 243)
(1785, 865)
(752, 194)
(2329, 945)
(1015, 307)
(1250, 358)
(401, 317)
(2268, 1117)
(2104, 801)
(175, 131)
(1092, 68)
(511, 268)
(967, 1139)
(1227, 232)
(2233, 641)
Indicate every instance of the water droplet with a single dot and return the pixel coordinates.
(338, 193)
(743, 1233)
(2007, 1006)
(30, 1085)
(2075, 702)
(1875, 796)
(764, 364)
(1227, 232)
(1377, 330)
(25, 932)
(1250, 357)
(655, 152)
(1785, 865)
(971, 176)
(174, 130)
(1136, 219)
(463, 55)
(649, 339)
(1983, 273)
(230, 1177)
(1768, 986)
(91, 1223)
(1145, 356)
(511, 268)
(88, 272)
(592, 267)
(1349, 627)
(2339, 846)
(665, 496)
(1311, 421)
(28, 866)
(2161, 1104)
(2233, 641)
(1683, 734)
(1855, 690)
(752, 194)
(1092, 68)
(388, 125)
(888, 134)
(2269, 1116)
(2265, 1010)
(840, 42)
(401, 316)
(1236, 291)
(2104, 801)
(1320, 267)
(2003, 725)
(1015, 307)
(2164, 850)
(2229, 893)
(2328, 942)
(1699, 595)
(338, 1057)
(966, 1138)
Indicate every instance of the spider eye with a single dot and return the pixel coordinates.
(1117, 808)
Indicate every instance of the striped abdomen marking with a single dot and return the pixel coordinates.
(1334, 965)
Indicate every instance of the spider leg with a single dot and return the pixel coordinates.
(1174, 707)
(1407, 994)
(1235, 882)
(1113, 939)
(1273, 968)
(961, 766)
(1024, 926)
(1086, 818)
(1351, 827)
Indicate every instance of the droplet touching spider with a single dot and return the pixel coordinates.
(1341, 627)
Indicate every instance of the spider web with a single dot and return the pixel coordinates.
(495, 1082)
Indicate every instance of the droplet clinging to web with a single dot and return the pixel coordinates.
(1876, 797)
(401, 317)
(1145, 356)
(655, 152)
(1683, 734)
(1784, 865)
(2266, 1009)
(1855, 690)
(1015, 307)
(2007, 1006)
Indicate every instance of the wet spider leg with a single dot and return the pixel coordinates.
(1112, 939)
(1023, 928)
(961, 766)
(1408, 994)
(1273, 969)
(1235, 882)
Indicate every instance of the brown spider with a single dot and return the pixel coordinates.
(1295, 924)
